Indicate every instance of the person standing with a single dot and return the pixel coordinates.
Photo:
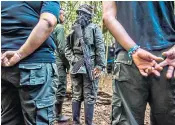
(143, 30)
(83, 88)
(62, 66)
(28, 69)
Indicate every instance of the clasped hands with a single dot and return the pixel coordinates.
(10, 58)
(148, 63)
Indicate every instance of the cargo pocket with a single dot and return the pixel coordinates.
(122, 67)
(32, 74)
(45, 110)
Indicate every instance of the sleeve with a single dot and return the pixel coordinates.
(59, 38)
(69, 52)
(52, 7)
(99, 49)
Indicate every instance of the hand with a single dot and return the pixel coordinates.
(146, 62)
(10, 58)
(169, 61)
(96, 72)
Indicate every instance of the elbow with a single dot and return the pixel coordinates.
(107, 18)
(49, 23)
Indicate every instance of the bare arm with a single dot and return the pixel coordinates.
(142, 59)
(39, 34)
(69, 52)
(116, 29)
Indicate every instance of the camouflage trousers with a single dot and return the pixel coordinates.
(28, 94)
(83, 89)
(132, 92)
(62, 79)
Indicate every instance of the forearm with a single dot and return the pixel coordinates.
(38, 35)
(116, 29)
(119, 33)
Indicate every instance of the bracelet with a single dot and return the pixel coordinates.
(132, 50)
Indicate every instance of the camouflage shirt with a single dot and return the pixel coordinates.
(59, 39)
(93, 37)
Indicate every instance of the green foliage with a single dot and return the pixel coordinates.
(70, 8)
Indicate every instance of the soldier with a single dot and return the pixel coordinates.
(144, 32)
(62, 65)
(83, 88)
(28, 62)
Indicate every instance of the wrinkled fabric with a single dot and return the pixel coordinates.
(28, 94)
(151, 24)
(83, 89)
(18, 20)
(137, 91)
(94, 39)
(61, 62)
(62, 79)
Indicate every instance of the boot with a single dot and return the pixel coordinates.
(76, 107)
(58, 110)
(89, 111)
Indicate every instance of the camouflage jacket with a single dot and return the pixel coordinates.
(93, 37)
(59, 39)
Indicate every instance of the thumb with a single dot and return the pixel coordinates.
(168, 53)
(7, 54)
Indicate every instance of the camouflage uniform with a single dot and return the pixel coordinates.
(81, 85)
(62, 67)
(61, 61)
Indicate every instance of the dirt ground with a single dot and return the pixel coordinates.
(102, 107)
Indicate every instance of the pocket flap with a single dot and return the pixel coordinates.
(43, 103)
(123, 58)
(30, 66)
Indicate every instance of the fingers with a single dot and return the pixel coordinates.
(3, 56)
(156, 73)
(162, 64)
(10, 58)
(170, 72)
(97, 75)
(96, 72)
(143, 73)
(9, 54)
(149, 70)
(5, 62)
(153, 57)
(152, 70)
(168, 53)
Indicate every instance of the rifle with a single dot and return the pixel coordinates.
(86, 53)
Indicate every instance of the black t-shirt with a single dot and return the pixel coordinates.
(18, 18)
(151, 24)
